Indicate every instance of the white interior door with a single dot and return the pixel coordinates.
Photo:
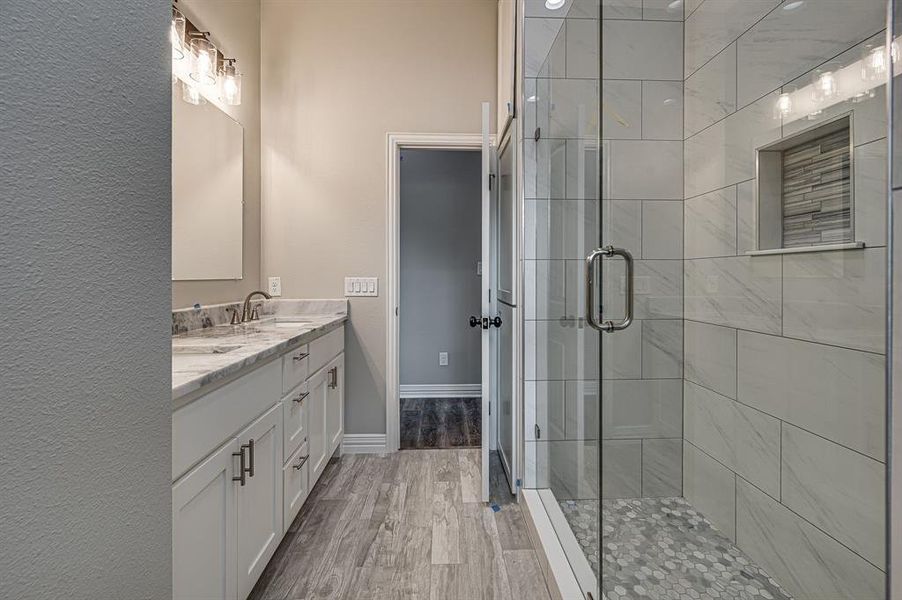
(486, 290)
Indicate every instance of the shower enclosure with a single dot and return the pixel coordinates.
(704, 258)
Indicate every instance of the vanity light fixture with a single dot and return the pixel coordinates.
(177, 34)
(554, 4)
(191, 94)
(203, 59)
(201, 69)
(783, 107)
(825, 86)
(230, 83)
(873, 63)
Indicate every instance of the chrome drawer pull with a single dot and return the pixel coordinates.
(300, 465)
(301, 356)
(250, 454)
(300, 398)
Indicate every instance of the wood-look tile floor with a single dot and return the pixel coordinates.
(441, 422)
(404, 526)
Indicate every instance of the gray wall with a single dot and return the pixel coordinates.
(440, 246)
(784, 355)
(84, 269)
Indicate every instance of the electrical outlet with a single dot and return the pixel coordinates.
(361, 286)
(443, 359)
(275, 286)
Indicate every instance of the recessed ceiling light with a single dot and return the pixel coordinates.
(554, 4)
(793, 5)
(676, 4)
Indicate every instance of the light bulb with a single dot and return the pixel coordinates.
(554, 4)
(230, 84)
(177, 35)
(783, 107)
(824, 86)
(203, 61)
(873, 63)
(191, 94)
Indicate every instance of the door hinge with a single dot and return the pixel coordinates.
(538, 134)
(490, 409)
(538, 432)
(491, 181)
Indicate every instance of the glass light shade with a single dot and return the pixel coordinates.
(230, 85)
(191, 94)
(177, 35)
(783, 106)
(823, 86)
(203, 61)
(873, 63)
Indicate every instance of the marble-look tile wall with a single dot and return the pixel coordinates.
(783, 421)
(639, 208)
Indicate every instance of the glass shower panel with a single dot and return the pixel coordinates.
(562, 354)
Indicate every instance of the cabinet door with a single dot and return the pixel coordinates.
(318, 388)
(204, 529)
(260, 501)
(335, 403)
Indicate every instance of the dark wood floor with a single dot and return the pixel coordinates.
(405, 526)
(441, 423)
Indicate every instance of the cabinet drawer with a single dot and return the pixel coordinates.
(294, 418)
(294, 367)
(324, 349)
(295, 474)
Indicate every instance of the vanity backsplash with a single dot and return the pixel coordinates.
(201, 317)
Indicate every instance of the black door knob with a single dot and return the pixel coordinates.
(475, 322)
(496, 322)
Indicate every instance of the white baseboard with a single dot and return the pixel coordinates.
(363, 443)
(442, 390)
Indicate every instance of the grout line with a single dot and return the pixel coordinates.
(790, 423)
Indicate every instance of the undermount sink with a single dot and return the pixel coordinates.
(207, 349)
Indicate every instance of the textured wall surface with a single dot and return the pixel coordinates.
(336, 78)
(84, 269)
(235, 26)
(441, 198)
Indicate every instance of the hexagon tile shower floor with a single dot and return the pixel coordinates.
(662, 548)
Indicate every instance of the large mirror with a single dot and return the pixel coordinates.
(207, 191)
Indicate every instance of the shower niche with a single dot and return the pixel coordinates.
(806, 191)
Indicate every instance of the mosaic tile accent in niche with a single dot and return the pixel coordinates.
(662, 548)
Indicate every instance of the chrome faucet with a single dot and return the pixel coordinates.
(246, 313)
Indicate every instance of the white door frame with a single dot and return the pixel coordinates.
(397, 142)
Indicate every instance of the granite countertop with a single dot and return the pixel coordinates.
(201, 356)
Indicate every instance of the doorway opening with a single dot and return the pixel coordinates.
(443, 297)
(440, 267)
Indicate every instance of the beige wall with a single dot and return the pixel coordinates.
(235, 27)
(336, 77)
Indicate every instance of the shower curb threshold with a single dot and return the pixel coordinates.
(559, 574)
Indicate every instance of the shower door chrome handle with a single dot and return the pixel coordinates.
(591, 259)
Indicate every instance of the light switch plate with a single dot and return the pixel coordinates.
(443, 359)
(275, 286)
(362, 286)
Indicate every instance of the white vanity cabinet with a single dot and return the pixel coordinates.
(245, 457)
(335, 401)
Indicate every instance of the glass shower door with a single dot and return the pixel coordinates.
(563, 215)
